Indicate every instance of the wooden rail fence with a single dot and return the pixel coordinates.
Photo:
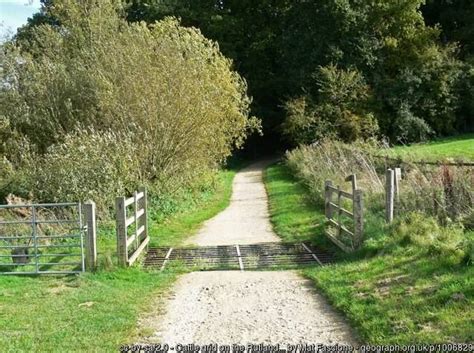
(130, 246)
(335, 213)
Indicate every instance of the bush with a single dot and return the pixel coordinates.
(335, 160)
(340, 111)
(87, 166)
(157, 104)
(436, 199)
(442, 192)
(410, 128)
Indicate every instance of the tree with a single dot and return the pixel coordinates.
(389, 44)
(248, 32)
(163, 87)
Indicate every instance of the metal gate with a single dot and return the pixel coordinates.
(41, 239)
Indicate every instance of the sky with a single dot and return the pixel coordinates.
(14, 13)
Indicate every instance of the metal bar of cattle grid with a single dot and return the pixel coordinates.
(241, 265)
(166, 259)
(312, 254)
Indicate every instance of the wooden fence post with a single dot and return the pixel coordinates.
(389, 194)
(398, 178)
(144, 206)
(353, 179)
(121, 217)
(328, 198)
(358, 211)
(91, 235)
(135, 214)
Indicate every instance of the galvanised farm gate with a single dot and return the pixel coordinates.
(44, 238)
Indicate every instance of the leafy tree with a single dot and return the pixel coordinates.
(340, 111)
(248, 32)
(409, 74)
(165, 88)
(417, 83)
(455, 19)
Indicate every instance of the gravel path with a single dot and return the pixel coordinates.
(228, 307)
(246, 220)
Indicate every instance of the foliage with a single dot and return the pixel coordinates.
(247, 31)
(426, 234)
(163, 90)
(400, 296)
(340, 110)
(455, 20)
(443, 195)
(418, 85)
(412, 78)
(87, 166)
(333, 160)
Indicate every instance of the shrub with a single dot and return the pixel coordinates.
(442, 192)
(410, 128)
(162, 93)
(86, 166)
(334, 160)
(340, 110)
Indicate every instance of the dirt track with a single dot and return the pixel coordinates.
(246, 220)
(228, 307)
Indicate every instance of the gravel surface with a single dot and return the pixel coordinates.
(228, 307)
(246, 220)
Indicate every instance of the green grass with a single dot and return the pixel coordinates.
(175, 229)
(97, 312)
(401, 297)
(291, 213)
(172, 230)
(88, 313)
(456, 148)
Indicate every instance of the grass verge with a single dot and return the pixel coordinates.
(401, 297)
(291, 213)
(97, 312)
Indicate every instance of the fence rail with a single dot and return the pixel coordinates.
(335, 212)
(129, 247)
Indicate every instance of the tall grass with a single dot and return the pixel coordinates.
(435, 203)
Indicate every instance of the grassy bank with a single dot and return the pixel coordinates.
(456, 148)
(97, 312)
(291, 213)
(400, 296)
